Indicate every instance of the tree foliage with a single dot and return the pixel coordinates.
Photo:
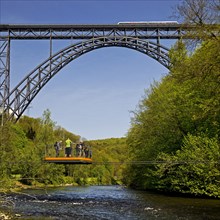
(194, 169)
(179, 120)
(25, 144)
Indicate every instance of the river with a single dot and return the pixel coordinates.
(108, 202)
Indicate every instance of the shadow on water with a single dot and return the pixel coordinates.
(109, 202)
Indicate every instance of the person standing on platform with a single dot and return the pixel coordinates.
(86, 150)
(68, 149)
(77, 150)
(90, 151)
(57, 148)
(60, 145)
(82, 147)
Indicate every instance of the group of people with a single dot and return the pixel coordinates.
(82, 150)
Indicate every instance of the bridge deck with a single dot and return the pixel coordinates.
(88, 31)
(68, 160)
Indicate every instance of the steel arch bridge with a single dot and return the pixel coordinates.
(143, 38)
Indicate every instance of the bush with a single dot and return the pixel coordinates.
(194, 169)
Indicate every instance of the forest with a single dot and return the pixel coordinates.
(175, 128)
(25, 144)
(177, 125)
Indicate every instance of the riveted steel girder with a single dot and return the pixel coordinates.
(147, 31)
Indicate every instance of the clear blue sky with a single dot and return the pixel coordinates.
(94, 95)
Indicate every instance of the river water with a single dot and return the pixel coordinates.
(108, 202)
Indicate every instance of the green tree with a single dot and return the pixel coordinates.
(46, 135)
(194, 169)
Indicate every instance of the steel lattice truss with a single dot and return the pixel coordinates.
(4, 71)
(162, 31)
(93, 37)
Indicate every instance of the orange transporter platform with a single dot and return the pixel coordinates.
(68, 160)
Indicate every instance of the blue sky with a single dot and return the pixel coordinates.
(94, 95)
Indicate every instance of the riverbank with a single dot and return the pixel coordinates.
(4, 216)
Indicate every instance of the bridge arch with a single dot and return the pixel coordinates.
(22, 95)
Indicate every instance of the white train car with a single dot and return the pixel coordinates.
(147, 22)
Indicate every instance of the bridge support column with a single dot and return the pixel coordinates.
(158, 42)
(4, 74)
